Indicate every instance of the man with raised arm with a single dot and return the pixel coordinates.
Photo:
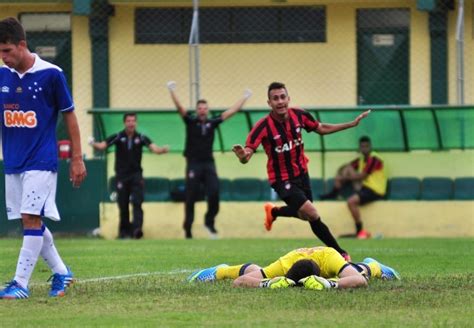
(200, 167)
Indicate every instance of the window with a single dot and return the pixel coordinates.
(378, 18)
(232, 25)
(156, 25)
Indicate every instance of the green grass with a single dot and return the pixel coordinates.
(437, 287)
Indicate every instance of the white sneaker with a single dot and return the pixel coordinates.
(212, 232)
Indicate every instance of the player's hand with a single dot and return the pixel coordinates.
(247, 93)
(77, 172)
(171, 85)
(361, 116)
(314, 282)
(90, 140)
(165, 149)
(240, 152)
(277, 282)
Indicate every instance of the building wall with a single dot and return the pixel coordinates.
(138, 73)
(328, 71)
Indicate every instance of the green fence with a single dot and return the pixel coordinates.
(79, 208)
(401, 128)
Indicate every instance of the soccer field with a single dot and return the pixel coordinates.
(142, 283)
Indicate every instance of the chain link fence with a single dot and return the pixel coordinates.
(120, 54)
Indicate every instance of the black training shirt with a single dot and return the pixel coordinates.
(199, 138)
(128, 152)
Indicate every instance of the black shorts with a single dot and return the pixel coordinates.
(367, 195)
(294, 192)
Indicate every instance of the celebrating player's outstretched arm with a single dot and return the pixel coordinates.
(326, 128)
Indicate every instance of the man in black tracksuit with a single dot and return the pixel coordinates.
(128, 173)
(200, 167)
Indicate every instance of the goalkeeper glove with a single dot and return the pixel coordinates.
(247, 93)
(317, 283)
(277, 282)
(171, 85)
(90, 140)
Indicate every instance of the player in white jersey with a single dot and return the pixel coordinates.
(32, 93)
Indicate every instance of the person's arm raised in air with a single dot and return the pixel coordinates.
(158, 150)
(237, 106)
(172, 89)
(326, 128)
(243, 153)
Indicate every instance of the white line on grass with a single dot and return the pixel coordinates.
(125, 276)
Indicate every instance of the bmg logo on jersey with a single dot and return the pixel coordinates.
(19, 119)
(287, 146)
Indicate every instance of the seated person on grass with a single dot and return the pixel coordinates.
(315, 268)
(368, 179)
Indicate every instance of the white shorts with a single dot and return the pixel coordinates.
(31, 192)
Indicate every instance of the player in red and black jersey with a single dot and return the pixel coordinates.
(280, 134)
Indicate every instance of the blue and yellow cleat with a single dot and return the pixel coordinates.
(388, 273)
(14, 290)
(204, 275)
(60, 282)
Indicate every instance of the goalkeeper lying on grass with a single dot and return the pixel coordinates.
(314, 268)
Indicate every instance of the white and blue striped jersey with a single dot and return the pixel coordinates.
(30, 105)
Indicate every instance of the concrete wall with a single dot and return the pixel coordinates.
(245, 220)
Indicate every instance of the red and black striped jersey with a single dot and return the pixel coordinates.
(283, 143)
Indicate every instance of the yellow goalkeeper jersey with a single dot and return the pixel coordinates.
(328, 259)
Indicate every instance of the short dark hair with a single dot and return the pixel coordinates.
(201, 101)
(129, 114)
(11, 31)
(364, 139)
(302, 269)
(276, 85)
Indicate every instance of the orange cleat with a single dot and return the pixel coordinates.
(363, 234)
(268, 216)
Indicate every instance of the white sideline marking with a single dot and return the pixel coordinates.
(125, 276)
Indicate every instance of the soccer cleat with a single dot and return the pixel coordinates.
(388, 273)
(277, 282)
(60, 282)
(268, 216)
(314, 282)
(14, 290)
(363, 234)
(212, 232)
(205, 275)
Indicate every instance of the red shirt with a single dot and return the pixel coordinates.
(283, 143)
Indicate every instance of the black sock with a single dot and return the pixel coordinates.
(322, 232)
(358, 227)
(284, 211)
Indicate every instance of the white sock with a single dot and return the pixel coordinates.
(50, 253)
(29, 253)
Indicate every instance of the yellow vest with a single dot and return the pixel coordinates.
(376, 180)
